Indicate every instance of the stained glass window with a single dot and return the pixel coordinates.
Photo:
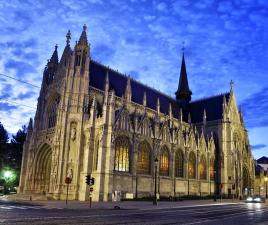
(179, 161)
(121, 154)
(202, 168)
(164, 162)
(144, 158)
(212, 169)
(191, 166)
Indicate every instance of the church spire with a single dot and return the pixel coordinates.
(83, 37)
(183, 93)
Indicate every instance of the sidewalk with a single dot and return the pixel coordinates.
(138, 205)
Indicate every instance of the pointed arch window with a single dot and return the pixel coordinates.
(164, 162)
(191, 166)
(121, 162)
(179, 163)
(144, 158)
(212, 170)
(202, 168)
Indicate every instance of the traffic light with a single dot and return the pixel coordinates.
(88, 179)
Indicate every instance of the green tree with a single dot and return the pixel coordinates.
(3, 145)
(16, 149)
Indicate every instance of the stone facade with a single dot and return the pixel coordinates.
(115, 136)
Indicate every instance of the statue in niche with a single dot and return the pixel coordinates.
(73, 134)
(70, 173)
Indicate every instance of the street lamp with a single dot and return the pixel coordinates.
(266, 181)
(7, 174)
(155, 181)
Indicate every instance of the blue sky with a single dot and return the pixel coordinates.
(224, 40)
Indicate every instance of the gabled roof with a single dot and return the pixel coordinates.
(118, 81)
(263, 160)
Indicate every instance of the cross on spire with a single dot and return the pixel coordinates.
(183, 46)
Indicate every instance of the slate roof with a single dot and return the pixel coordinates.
(118, 81)
(263, 160)
(212, 105)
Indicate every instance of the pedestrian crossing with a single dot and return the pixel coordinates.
(25, 207)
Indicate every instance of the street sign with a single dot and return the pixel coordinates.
(91, 189)
(68, 180)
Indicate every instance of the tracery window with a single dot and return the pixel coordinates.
(164, 162)
(144, 158)
(202, 168)
(212, 169)
(52, 113)
(179, 163)
(121, 162)
(191, 166)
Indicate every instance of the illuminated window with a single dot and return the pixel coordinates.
(179, 161)
(191, 166)
(144, 158)
(121, 154)
(164, 162)
(212, 169)
(202, 168)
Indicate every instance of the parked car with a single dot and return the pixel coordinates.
(255, 198)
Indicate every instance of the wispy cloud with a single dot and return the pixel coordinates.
(224, 40)
(258, 147)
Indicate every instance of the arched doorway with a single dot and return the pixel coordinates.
(43, 169)
(246, 181)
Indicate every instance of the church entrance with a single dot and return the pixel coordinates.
(43, 169)
(246, 182)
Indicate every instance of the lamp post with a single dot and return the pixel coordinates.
(155, 181)
(266, 181)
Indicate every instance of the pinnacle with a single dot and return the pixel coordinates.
(83, 37)
(54, 58)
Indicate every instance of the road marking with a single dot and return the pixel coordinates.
(25, 207)
(212, 218)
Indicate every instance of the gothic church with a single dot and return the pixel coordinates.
(93, 120)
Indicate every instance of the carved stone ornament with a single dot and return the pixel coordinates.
(73, 134)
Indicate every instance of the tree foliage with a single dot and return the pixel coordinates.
(11, 152)
(16, 149)
(3, 145)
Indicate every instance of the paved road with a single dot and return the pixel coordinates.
(230, 214)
